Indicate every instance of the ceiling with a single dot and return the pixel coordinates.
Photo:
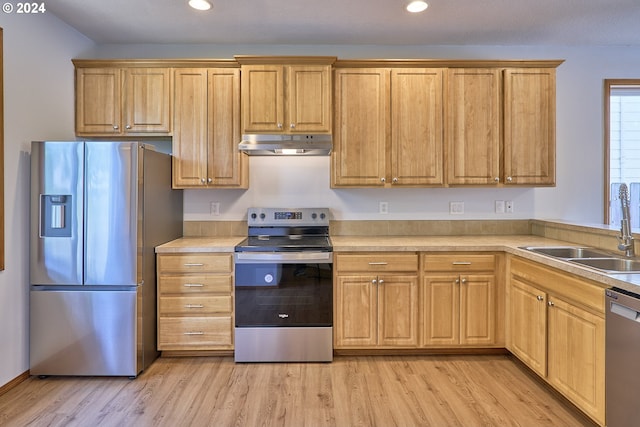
(379, 22)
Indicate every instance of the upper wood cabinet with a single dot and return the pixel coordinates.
(530, 126)
(388, 129)
(286, 94)
(207, 129)
(473, 124)
(113, 101)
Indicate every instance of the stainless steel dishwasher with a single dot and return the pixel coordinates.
(622, 358)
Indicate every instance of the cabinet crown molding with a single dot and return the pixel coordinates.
(155, 63)
(288, 60)
(448, 63)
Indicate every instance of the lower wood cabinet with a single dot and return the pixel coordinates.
(376, 301)
(557, 328)
(459, 300)
(195, 301)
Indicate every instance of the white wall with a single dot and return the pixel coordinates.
(38, 101)
(578, 195)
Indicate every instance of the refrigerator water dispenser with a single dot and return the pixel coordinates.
(54, 221)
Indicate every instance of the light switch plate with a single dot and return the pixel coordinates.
(456, 208)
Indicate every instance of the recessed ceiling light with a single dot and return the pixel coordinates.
(200, 4)
(417, 6)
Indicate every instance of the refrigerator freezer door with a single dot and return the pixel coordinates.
(57, 172)
(113, 235)
(84, 333)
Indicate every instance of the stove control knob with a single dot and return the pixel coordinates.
(262, 216)
(268, 278)
(314, 215)
(254, 216)
(322, 216)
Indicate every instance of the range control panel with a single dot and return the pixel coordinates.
(266, 217)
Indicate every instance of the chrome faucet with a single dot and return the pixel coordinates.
(625, 238)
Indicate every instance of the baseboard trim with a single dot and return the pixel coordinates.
(14, 382)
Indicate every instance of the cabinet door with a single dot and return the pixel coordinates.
(576, 349)
(227, 167)
(309, 99)
(440, 310)
(473, 123)
(398, 311)
(356, 316)
(362, 123)
(147, 100)
(190, 130)
(529, 126)
(528, 325)
(416, 127)
(262, 98)
(477, 309)
(98, 101)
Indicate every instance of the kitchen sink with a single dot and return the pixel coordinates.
(610, 265)
(598, 259)
(568, 252)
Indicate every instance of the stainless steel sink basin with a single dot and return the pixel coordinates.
(598, 259)
(610, 265)
(568, 251)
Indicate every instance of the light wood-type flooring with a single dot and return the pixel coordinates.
(465, 390)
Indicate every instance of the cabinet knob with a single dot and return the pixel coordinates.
(292, 125)
(209, 180)
(128, 126)
(457, 282)
(116, 127)
(464, 280)
(509, 179)
(394, 180)
(279, 125)
(380, 282)
(202, 180)
(550, 304)
(383, 179)
(496, 179)
(540, 298)
(374, 282)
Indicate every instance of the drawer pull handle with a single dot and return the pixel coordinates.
(193, 285)
(378, 263)
(194, 306)
(194, 333)
(461, 263)
(193, 264)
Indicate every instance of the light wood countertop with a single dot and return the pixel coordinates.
(502, 243)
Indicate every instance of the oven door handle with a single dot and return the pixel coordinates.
(283, 257)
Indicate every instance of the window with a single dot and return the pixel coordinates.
(622, 148)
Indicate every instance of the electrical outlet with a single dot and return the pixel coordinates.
(383, 208)
(456, 208)
(499, 206)
(215, 208)
(508, 205)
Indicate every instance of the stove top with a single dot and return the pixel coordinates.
(287, 230)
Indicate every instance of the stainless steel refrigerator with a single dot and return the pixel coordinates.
(98, 209)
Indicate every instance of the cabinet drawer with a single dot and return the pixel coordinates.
(377, 262)
(458, 262)
(187, 263)
(181, 333)
(195, 305)
(195, 284)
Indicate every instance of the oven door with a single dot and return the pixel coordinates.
(283, 289)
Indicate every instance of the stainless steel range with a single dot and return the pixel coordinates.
(284, 287)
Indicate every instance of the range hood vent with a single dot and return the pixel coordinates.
(286, 145)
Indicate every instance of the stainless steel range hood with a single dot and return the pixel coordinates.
(286, 145)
